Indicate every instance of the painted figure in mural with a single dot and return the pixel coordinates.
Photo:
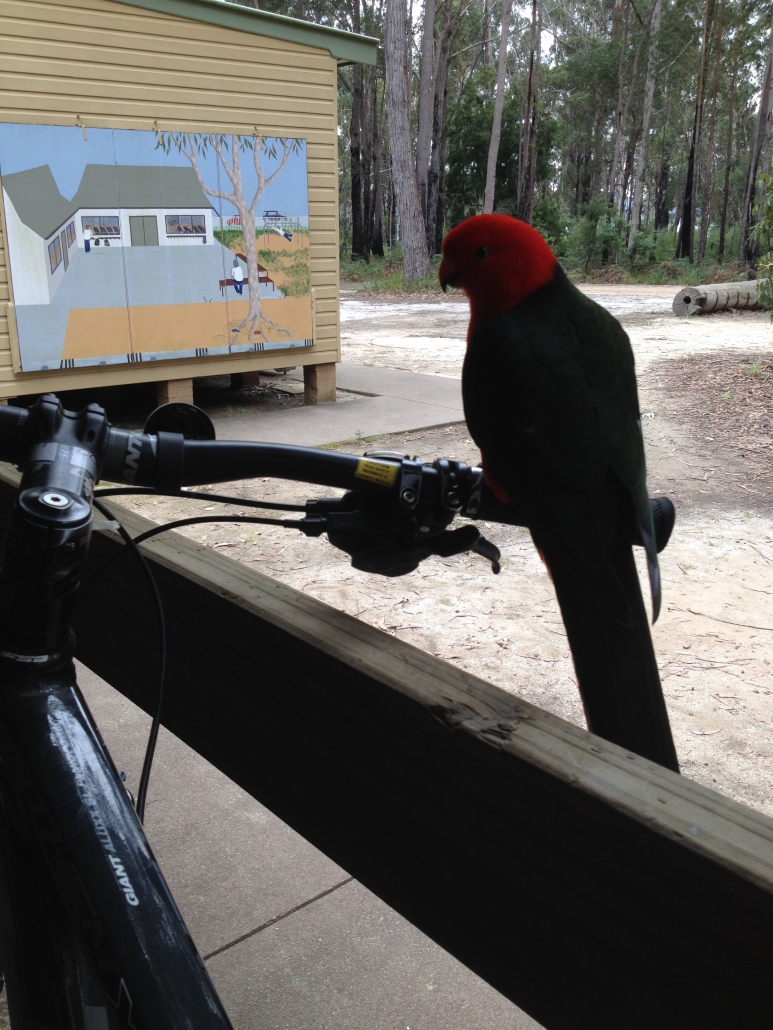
(87, 234)
(238, 277)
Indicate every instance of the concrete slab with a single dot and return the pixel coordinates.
(351, 963)
(298, 945)
(392, 401)
(231, 864)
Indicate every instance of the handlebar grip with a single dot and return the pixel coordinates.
(12, 425)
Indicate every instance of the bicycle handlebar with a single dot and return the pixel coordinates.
(388, 492)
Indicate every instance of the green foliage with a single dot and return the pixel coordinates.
(385, 276)
(469, 135)
(762, 232)
(584, 242)
(552, 223)
(644, 249)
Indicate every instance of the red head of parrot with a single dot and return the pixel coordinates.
(498, 261)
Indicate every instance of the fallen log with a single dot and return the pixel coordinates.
(701, 300)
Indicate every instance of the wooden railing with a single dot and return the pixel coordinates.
(594, 889)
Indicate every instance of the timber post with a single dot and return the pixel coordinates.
(170, 390)
(319, 382)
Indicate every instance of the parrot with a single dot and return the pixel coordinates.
(550, 398)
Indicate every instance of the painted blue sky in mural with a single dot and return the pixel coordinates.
(65, 151)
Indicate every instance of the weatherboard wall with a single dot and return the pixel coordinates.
(105, 64)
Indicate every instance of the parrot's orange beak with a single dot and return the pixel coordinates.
(447, 274)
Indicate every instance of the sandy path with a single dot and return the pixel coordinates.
(429, 336)
(714, 639)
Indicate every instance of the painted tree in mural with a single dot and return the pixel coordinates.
(230, 150)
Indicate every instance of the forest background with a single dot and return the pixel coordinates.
(634, 134)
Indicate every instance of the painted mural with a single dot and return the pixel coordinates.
(128, 246)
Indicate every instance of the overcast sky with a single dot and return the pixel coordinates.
(65, 151)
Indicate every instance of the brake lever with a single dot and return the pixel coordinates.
(488, 551)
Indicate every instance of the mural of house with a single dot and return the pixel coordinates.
(155, 67)
(115, 206)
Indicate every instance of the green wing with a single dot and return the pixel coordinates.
(550, 398)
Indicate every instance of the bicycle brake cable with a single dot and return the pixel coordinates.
(150, 748)
(290, 523)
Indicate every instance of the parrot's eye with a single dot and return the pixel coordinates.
(481, 253)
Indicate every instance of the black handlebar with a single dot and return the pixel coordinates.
(389, 495)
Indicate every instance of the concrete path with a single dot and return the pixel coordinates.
(291, 941)
(389, 401)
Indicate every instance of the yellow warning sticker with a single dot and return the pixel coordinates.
(379, 472)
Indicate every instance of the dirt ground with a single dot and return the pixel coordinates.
(706, 391)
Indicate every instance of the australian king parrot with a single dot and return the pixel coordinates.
(550, 398)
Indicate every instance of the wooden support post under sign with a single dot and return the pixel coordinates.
(171, 390)
(319, 382)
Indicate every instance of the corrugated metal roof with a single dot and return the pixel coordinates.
(37, 200)
(135, 186)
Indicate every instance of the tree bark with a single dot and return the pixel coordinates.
(762, 130)
(661, 195)
(706, 198)
(620, 111)
(440, 209)
(359, 247)
(412, 229)
(728, 151)
(450, 25)
(649, 99)
(525, 185)
(684, 242)
(426, 96)
(499, 103)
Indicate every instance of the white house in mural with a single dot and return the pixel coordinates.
(115, 206)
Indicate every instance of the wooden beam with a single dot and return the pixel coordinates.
(593, 888)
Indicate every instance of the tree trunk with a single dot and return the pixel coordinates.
(728, 154)
(593, 183)
(355, 135)
(661, 194)
(377, 206)
(684, 243)
(531, 186)
(525, 185)
(412, 230)
(426, 94)
(763, 130)
(440, 209)
(649, 99)
(499, 103)
(620, 111)
(438, 121)
(707, 177)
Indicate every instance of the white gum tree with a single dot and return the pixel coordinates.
(230, 150)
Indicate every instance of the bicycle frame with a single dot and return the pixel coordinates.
(65, 813)
(63, 804)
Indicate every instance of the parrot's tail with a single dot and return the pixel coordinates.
(616, 669)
